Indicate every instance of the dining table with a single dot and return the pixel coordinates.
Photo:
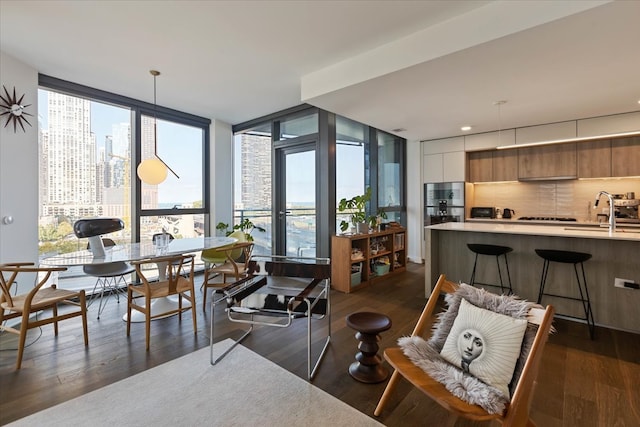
(126, 252)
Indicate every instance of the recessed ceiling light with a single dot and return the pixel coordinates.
(465, 128)
(398, 130)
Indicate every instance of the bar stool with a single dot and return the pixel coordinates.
(492, 250)
(568, 257)
(368, 367)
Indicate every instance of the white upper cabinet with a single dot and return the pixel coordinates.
(628, 122)
(443, 160)
(489, 140)
(549, 132)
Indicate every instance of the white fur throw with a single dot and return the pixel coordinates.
(426, 354)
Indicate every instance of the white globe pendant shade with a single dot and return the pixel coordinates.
(152, 171)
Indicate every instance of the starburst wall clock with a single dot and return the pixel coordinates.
(14, 110)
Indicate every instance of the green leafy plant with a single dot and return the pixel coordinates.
(356, 207)
(245, 225)
(373, 219)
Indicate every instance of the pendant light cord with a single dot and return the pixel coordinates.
(155, 74)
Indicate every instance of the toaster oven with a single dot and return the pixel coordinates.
(483, 212)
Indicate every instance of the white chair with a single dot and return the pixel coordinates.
(110, 277)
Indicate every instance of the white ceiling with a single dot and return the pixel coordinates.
(424, 66)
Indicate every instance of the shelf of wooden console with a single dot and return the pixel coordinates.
(390, 243)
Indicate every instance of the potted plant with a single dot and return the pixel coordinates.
(356, 207)
(376, 220)
(244, 225)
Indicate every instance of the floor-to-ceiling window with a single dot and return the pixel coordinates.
(252, 183)
(391, 183)
(90, 143)
(342, 157)
(351, 141)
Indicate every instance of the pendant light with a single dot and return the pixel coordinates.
(153, 171)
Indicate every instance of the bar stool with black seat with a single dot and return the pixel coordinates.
(568, 257)
(491, 250)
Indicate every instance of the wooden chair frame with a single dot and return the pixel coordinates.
(236, 265)
(38, 299)
(516, 413)
(173, 283)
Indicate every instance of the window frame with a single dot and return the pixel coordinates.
(139, 108)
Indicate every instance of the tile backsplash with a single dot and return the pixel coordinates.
(572, 198)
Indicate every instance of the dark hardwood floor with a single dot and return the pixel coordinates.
(582, 382)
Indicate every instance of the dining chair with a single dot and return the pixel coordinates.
(235, 265)
(516, 411)
(39, 306)
(110, 277)
(173, 282)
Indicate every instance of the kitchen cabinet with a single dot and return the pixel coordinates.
(594, 159)
(432, 168)
(547, 162)
(480, 166)
(546, 132)
(617, 123)
(625, 156)
(494, 165)
(443, 160)
(360, 259)
(505, 165)
(444, 167)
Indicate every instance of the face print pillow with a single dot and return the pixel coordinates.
(485, 344)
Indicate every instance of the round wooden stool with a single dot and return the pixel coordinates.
(368, 367)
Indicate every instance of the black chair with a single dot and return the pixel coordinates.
(575, 258)
(491, 250)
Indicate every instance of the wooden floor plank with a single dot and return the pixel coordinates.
(59, 369)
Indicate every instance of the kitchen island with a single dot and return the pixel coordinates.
(615, 254)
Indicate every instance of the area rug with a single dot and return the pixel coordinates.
(243, 389)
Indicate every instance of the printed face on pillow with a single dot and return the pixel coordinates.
(470, 345)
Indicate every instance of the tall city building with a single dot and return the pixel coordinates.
(120, 140)
(70, 147)
(255, 164)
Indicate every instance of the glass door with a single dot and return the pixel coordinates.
(295, 213)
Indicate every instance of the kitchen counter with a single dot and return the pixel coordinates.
(567, 229)
(614, 255)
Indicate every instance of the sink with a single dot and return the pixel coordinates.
(618, 229)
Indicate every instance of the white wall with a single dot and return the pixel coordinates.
(221, 174)
(414, 202)
(19, 167)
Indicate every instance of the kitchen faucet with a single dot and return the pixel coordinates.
(612, 216)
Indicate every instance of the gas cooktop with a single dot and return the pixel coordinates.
(545, 218)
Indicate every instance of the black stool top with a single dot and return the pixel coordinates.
(489, 249)
(368, 322)
(568, 257)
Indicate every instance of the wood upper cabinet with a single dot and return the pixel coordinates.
(625, 156)
(480, 166)
(594, 159)
(505, 165)
(494, 165)
(602, 158)
(548, 162)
